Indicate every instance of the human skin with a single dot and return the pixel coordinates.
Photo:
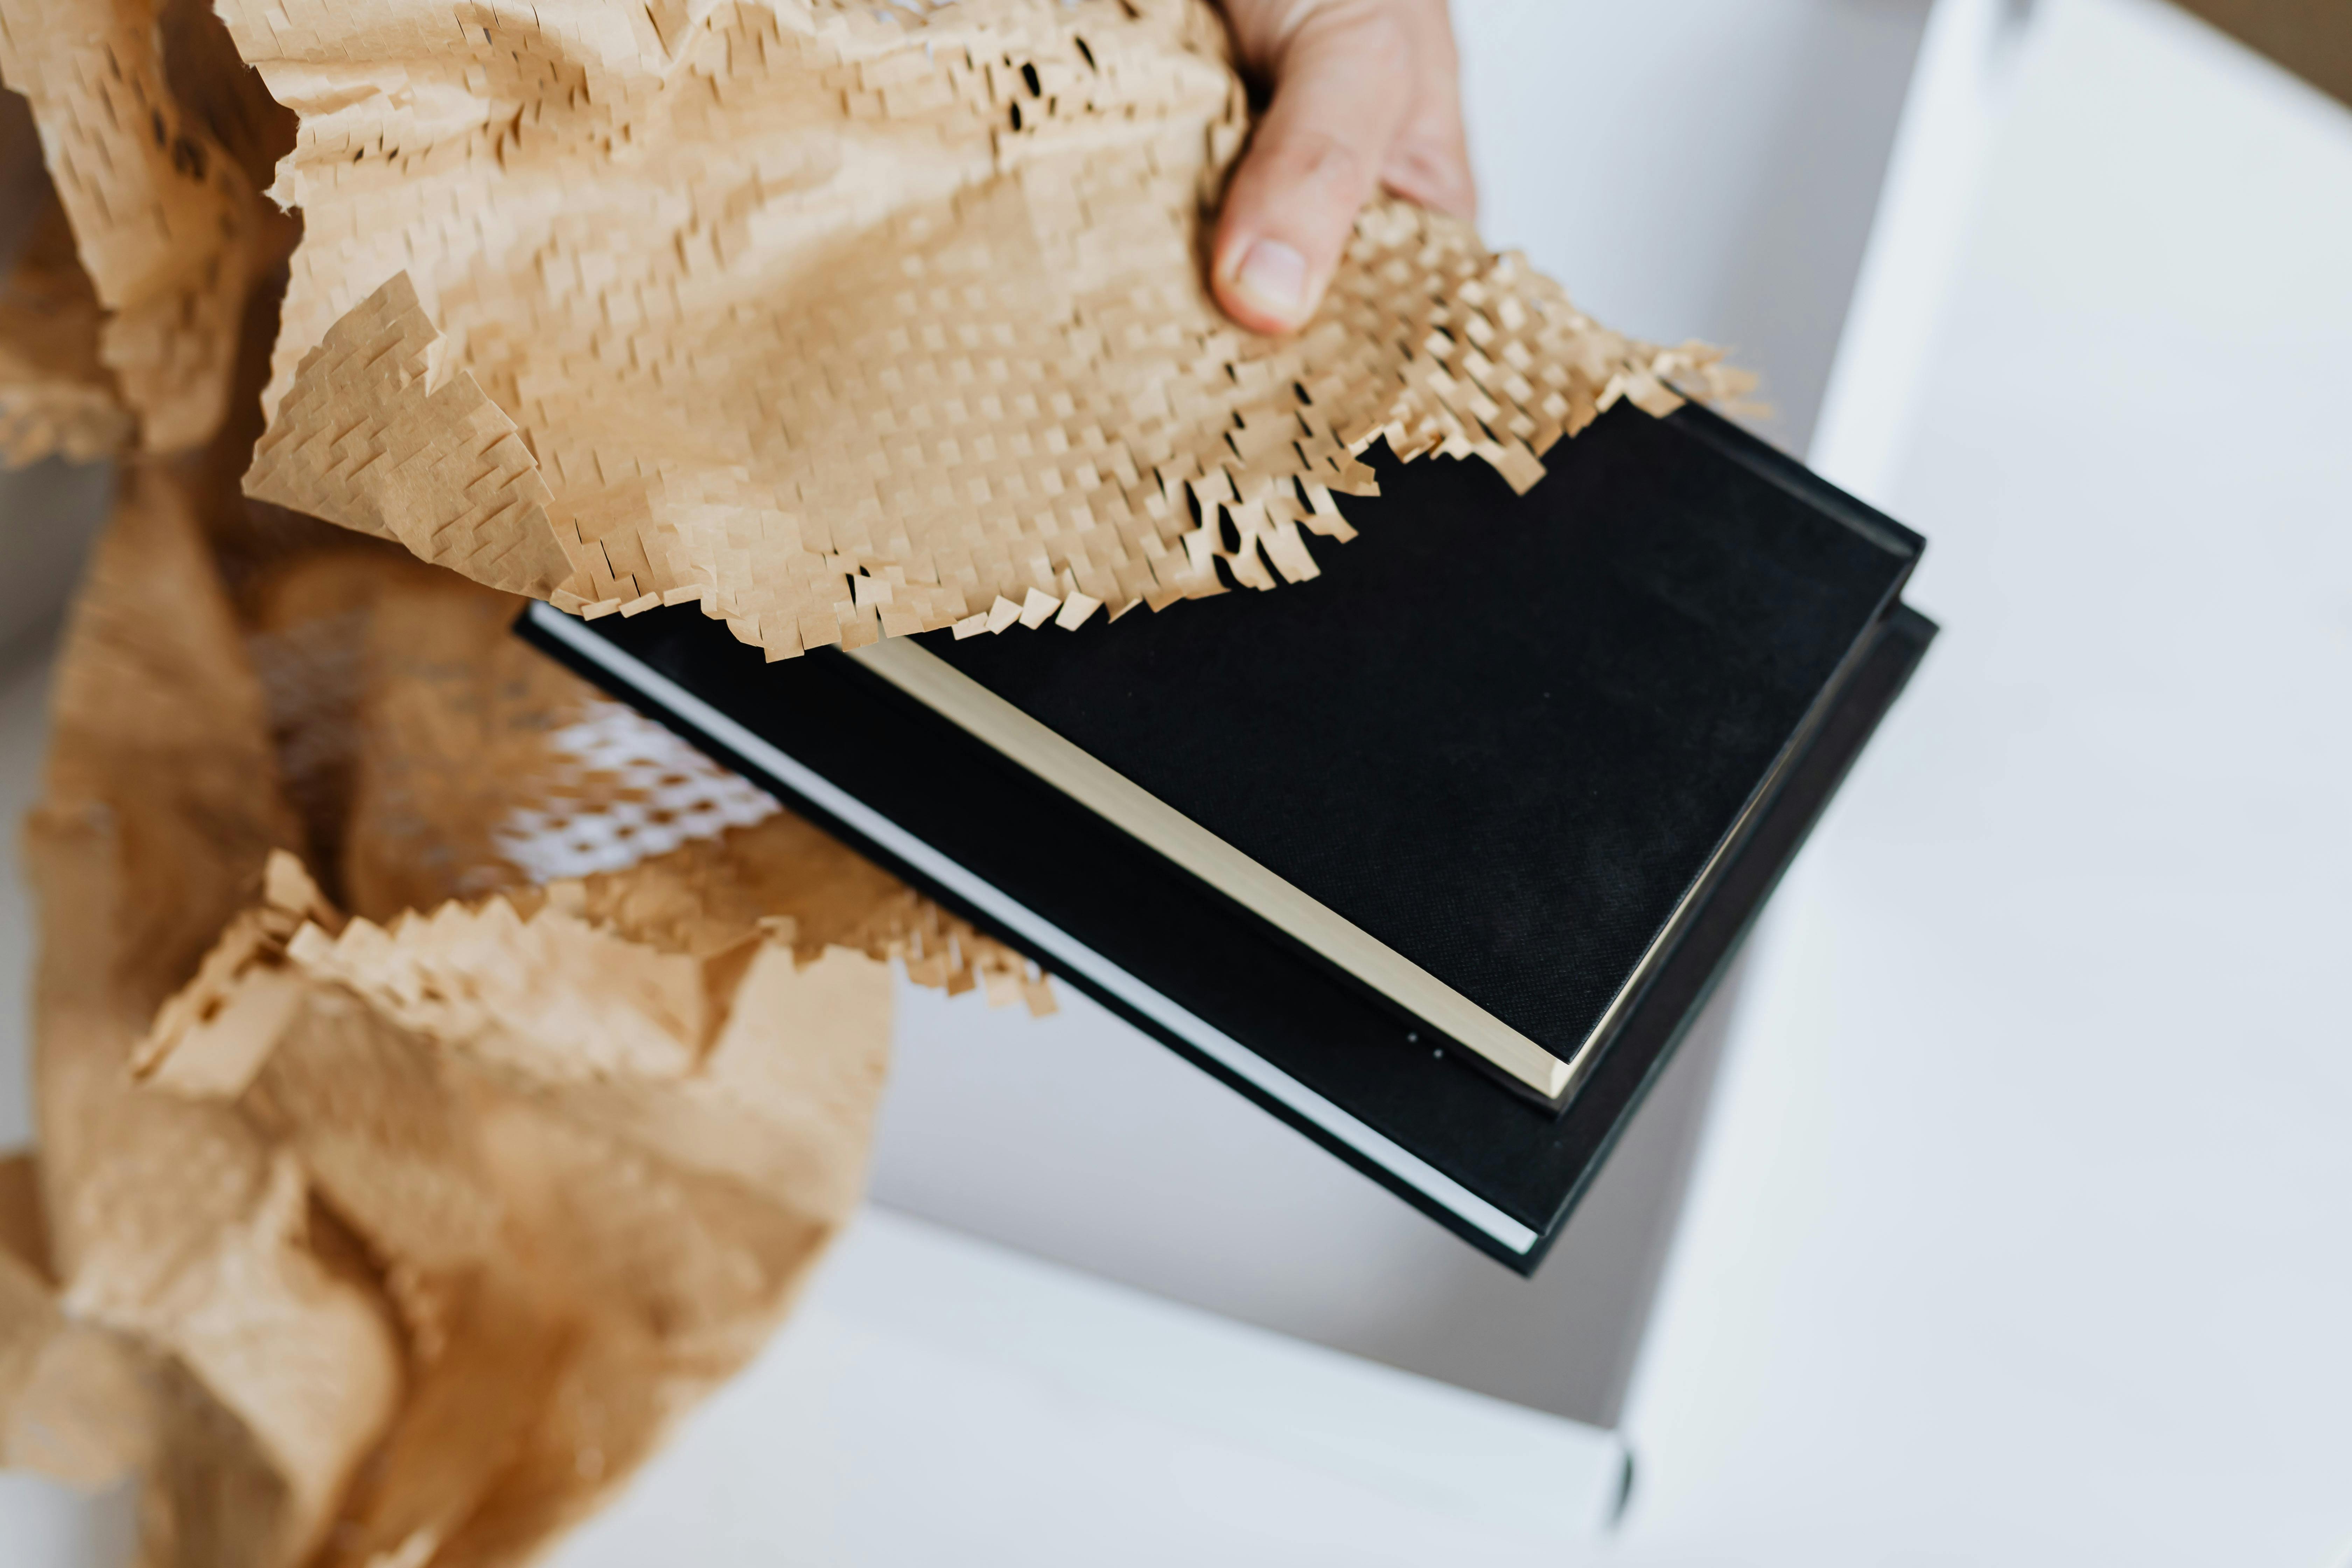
(1366, 96)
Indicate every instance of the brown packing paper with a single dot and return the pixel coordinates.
(55, 395)
(402, 1234)
(121, 327)
(55, 398)
(440, 757)
(176, 1226)
(425, 1148)
(593, 1171)
(71, 1402)
(846, 320)
(168, 229)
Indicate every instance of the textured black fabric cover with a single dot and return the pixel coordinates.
(1502, 734)
(1716, 574)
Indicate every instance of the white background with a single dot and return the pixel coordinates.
(2023, 1231)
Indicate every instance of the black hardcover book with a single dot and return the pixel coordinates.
(1434, 856)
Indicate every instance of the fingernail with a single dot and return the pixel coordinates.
(1275, 276)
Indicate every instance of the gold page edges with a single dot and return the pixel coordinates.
(1119, 800)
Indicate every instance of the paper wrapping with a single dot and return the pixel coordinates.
(176, 1226)
(840, 320)
(170, 231)
(444, 1078)
(56, 398)
(444, 1075)
(121, 312)
(435, 756)
(845, 320)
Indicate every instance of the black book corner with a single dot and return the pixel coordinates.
(1434, 856)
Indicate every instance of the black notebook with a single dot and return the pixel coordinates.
(1433, 856)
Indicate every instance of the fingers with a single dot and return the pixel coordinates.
(1365, 96)
(1343, 88)
(1430, 163)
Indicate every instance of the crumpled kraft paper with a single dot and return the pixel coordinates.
(843, 320)
(144, 126)
(435, 756)
(444, 1077)
(55, 395)
(176, 1226)
(407, 1162)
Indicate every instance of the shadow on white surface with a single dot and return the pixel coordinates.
(938, 1400)
(1080, 1139)
(45, 1524)
(1704, 169)
(24, 735)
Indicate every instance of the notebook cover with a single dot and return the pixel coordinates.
(1506, 735)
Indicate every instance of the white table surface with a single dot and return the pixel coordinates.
(936, 1399)
(940, 1400)
(2023, 1230)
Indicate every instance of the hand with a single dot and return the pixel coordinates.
(1366, 95)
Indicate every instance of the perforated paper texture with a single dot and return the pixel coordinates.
(846, 320)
